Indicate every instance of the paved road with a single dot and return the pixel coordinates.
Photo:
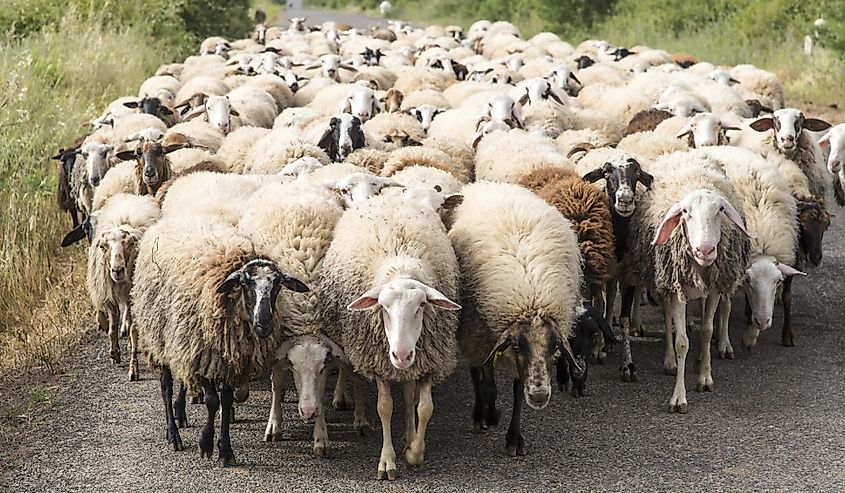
(317, 17)
(774, 423)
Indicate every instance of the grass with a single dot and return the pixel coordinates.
(51, 83)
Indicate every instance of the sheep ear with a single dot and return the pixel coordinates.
(174, 147)
(228, 284)
(816, 125)
(824, 141)
(125, 155)
(348, 67)
(735, 218)
(762, 124)
(687, 130)
(336, 351)
(167, 111)
(789, 271)
(595, 175)
(75, 235)
(453, 201)
(670, 222)
(440, 300)
(234, 112)
(477, 139)
(313, 66)
(366, 301)
(347, 106)
(132, 104)
(294, 284)
(645, 178)
(326, 142)
(198, 111)
(553, 95)
(572, 76)
(524, 98)
(504, 342)
(727, 126)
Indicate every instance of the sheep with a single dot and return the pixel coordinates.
(410, 79)
(205, 307)
(391, 101)
(834, 141)
(187, 159)
(569, 140)
(588, 210)
(156, 106)
(789, 139)
(292, 225)
(543, 109)
(152, 166)
(425, 114)
(425, 97)
(521, 276)
(120, 225)
(645, 121)
(343, 135)
(397, 258)
(217, 196)
(372, 160)
(301, 167)
(362, 103)
(217, 111)
(203, 85)
(426, 176)
(238, 144)
(771, 217)
(196, 133)
(65, 199)
(394, 130)
(119, 179)
(276, 149)
(755, 83)
(702, 259)
(330, 66)
(506, 156)
(423, 156)
(276, 87)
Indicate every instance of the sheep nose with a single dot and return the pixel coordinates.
(118, 272)
(538, 398)
(95, 181)
(307, 411)
(403, 357)
(706, 251)
(363, 116)
(762, 323)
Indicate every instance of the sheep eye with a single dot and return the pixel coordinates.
(722, 209)
(684, 211)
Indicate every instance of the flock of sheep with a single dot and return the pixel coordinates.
(387, 202)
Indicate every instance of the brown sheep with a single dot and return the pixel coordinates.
(392, 100)
(152, 168)
(64, 195)
(684, 60)
(587, 208)
(646, 121)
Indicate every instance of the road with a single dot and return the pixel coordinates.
(774, 423)
(317, 17)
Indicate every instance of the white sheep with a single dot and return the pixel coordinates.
(834, 141)
(506, 156)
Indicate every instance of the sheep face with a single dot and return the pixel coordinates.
(329, 65)
(297, 24)
(529, 349)
(621, 174)
(485, 127)
(565, 79)
(152, 106)
(706, 129)
(67, 158)
(358, 187)
(425, 115)
(309, 357)
(762, 279)
(258, 283)
(118, 246)
(537, 90)
(402, 303)
(813, 221)
(96, 157)
(722, 77)
(502, 108)
(432, 198)
(301, 167)
(362, 103)
(343, 136)
(787, 124)
(835, 140)
(219, 110)
(701, 212)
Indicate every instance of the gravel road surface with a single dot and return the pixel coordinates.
(774, 423)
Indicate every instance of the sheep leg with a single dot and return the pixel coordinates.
(224, 446)
(103, 321)
(173, 438)
(489, 392)
(515, 441)
(787, 338)
(73, 217)
(360, 423)
(628, 370)
(340, 400)
(273, 432)
(479, 402)
(321, 434)
(670, 365)
(415, 455)
(114, 348)
(133, 343)
(610, 300)
(562, 374)
(726, 351)
(637, 329)
(387, 461)
(599, 349)
(705, 377)
(179, 411)
(212, 404)
(678, 402)
(409, 392)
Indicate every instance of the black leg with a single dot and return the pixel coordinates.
(74, 217)
(212, 403)
(179, 410)
(488, 391)
(515, 443)
(199, 398)
(562, 374)
(479, 401)
(224, 447)
(787, 338)
(173, 438)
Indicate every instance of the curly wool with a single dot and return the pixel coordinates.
(237, 144)
(670, 267)
(384, 239)
(506, 156)
(519, 261)
(587, 209)
(407, 157)
(371, 159)
(183, 323)
(120, 179)
(271, 154)
(425, 176)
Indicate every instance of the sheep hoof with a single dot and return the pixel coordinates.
(364, 430)
(227, 461)
(518, 449)
(492, 418)
(726, 354)
(704, 387)
(413, 458)
(680, 408)
(320, 451)
(342, 404)
(788, 341)
(478, 426)
(133, 375)
(392, 474)
(629, 373)
(273, 437)
(115, 357)
(177, 445)
(601, 358)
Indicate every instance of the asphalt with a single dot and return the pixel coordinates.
(774, 423)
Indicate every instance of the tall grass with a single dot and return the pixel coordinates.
(49, 84)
